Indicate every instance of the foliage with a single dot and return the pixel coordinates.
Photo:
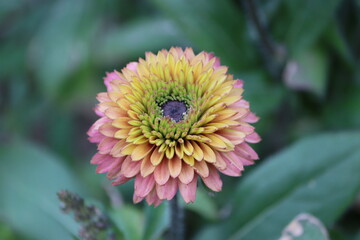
(300, 63)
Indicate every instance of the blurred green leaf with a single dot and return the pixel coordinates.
(337, 40)
(214, 26)
(305, 227)
(318, 175)
(258, 90)
(29, 180)
(343, 111)
(62, 43)
(129, 220)
(157, 220)
(15, 56)
(308, 72)
(309, 19)
(133, 39)
(6, 233)
(9, 6)
(203, 205)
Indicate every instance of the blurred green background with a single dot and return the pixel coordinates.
(299, 59)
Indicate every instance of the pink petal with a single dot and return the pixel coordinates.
(108, 164)
(188, 191)
(234, 159)
(108, 130)
(161, 172)
(245, 128)
(109, 78)
(245, 160)
(231, 169)
(99, 112)
(132, 66)
(253, 138)
(251, 118)
(143, 186)
(106, 145)
(168, 190)
(238, 83)
(94, 135)
(201, 168)
(241, 103)
(186, 174)
(220, 163)
(213, 181)
(152, 198)
(210, 56)
(189, 53)
(137, 199)
(98, 158)
(130, 168)
(120, 180)
(116, 169)
(246, 151)
(103, 97)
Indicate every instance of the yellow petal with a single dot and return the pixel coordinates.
(122, 122)
(128, 149)
(156, 157)
(209, 154)
(124, 104)
(169, 152)
(216, 141)
(198, 153)
(224, 114)
(189, 160)
(178, 151)
(132, 114)
(122, 133)
(188, 148)
(231, 99)
(141, 151)
(115, 112)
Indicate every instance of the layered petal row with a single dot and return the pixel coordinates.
(169, 120)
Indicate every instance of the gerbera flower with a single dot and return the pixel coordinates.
(169, 120)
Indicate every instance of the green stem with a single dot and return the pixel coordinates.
(177, 220)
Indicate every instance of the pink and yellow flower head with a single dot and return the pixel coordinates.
(169, 120)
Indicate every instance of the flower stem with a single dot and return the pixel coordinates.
(273, 53)
(177, 220)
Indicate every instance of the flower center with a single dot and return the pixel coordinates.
(174, 109)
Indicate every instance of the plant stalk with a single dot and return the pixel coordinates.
(177, 220)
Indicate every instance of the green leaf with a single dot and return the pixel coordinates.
(62, 43)
(308, 72)
(203, 205)
(318, 175)
(336, 39)
(214, 26)
(129, 220)
(133, 39)
(308, 21)
(305, 227)
(157, 220)
(258, 90)
(30, 177)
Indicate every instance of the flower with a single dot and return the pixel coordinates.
(170, 119)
